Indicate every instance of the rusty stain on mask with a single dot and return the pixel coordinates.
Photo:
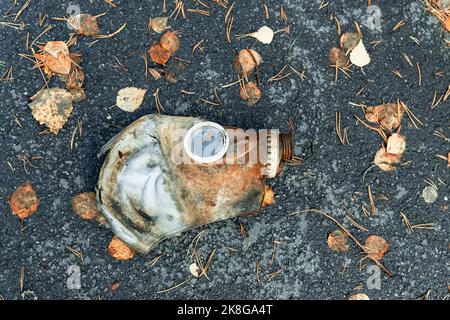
(149, 188)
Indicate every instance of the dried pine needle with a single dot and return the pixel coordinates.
(338, 25)
(22, 278)
(415, 40)
(407, 58)
(419, 74)
(436, 101)
(372, 203)
(414, 120)
(155, 260)
(365, 211)
(441, 135)
(228, 14)
(406, 222)
(76, 253)
(279, 75)
(301, 75)
(258, 271)
(111, 35)
(356, 224)
(399, 25)
(283, 15)
(342, 135)
(175, 286)
(322, 5)
(24, 7)
(199, 11)
(266, 11)
(397, 73)
(159, 106)
(358, 30)
(272, 275)
(198, 46)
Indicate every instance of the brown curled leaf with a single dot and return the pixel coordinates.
(387, 161)
(24, 201)
(269, 196)
(396, 144)
(158, 24)
(52, 108)
(376, 247)
(388, 115)
(359, 296)
(246, 61)
(337, 57)
(250, 93)
(119, 250)
(170, 42)
(337, 241)
(349, 40)
(84, 24)
(155, 73)
(55, 57)
(447, 23)
(85, 205)
(158, 54)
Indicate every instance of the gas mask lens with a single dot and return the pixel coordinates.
(206, 142)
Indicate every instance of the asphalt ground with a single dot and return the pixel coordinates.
(329, 178)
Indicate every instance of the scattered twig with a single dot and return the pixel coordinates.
(175, 286)
(111, 35)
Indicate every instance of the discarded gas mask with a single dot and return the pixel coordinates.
(164, 175)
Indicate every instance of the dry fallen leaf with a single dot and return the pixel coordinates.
(430, 194)
(119, 250)
(84, 24)
(396, 144)
(250, 93)
(358, 296)
(441, 10)
(247, 61)
(194, 269)
(75, 79)
(158, 54)
(85, 205)
(55, 57)
(349, 40)
(337, 57)
(386, 161)
(337, 241)
(77, 94)
(24, 201)
(155, 73)
(264, 35)
(359, 55)
(376, 247)
(448, 159)
(115, 286)
(130, 99)
(52, 107)
(170, 42)
(170, 76)
(389, 115)
(447, 23)
(269, 196)
(158, 24)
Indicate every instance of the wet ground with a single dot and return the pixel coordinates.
(329, 179)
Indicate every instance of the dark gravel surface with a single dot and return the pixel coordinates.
(330, 178)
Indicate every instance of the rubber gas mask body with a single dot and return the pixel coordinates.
(165, 174)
